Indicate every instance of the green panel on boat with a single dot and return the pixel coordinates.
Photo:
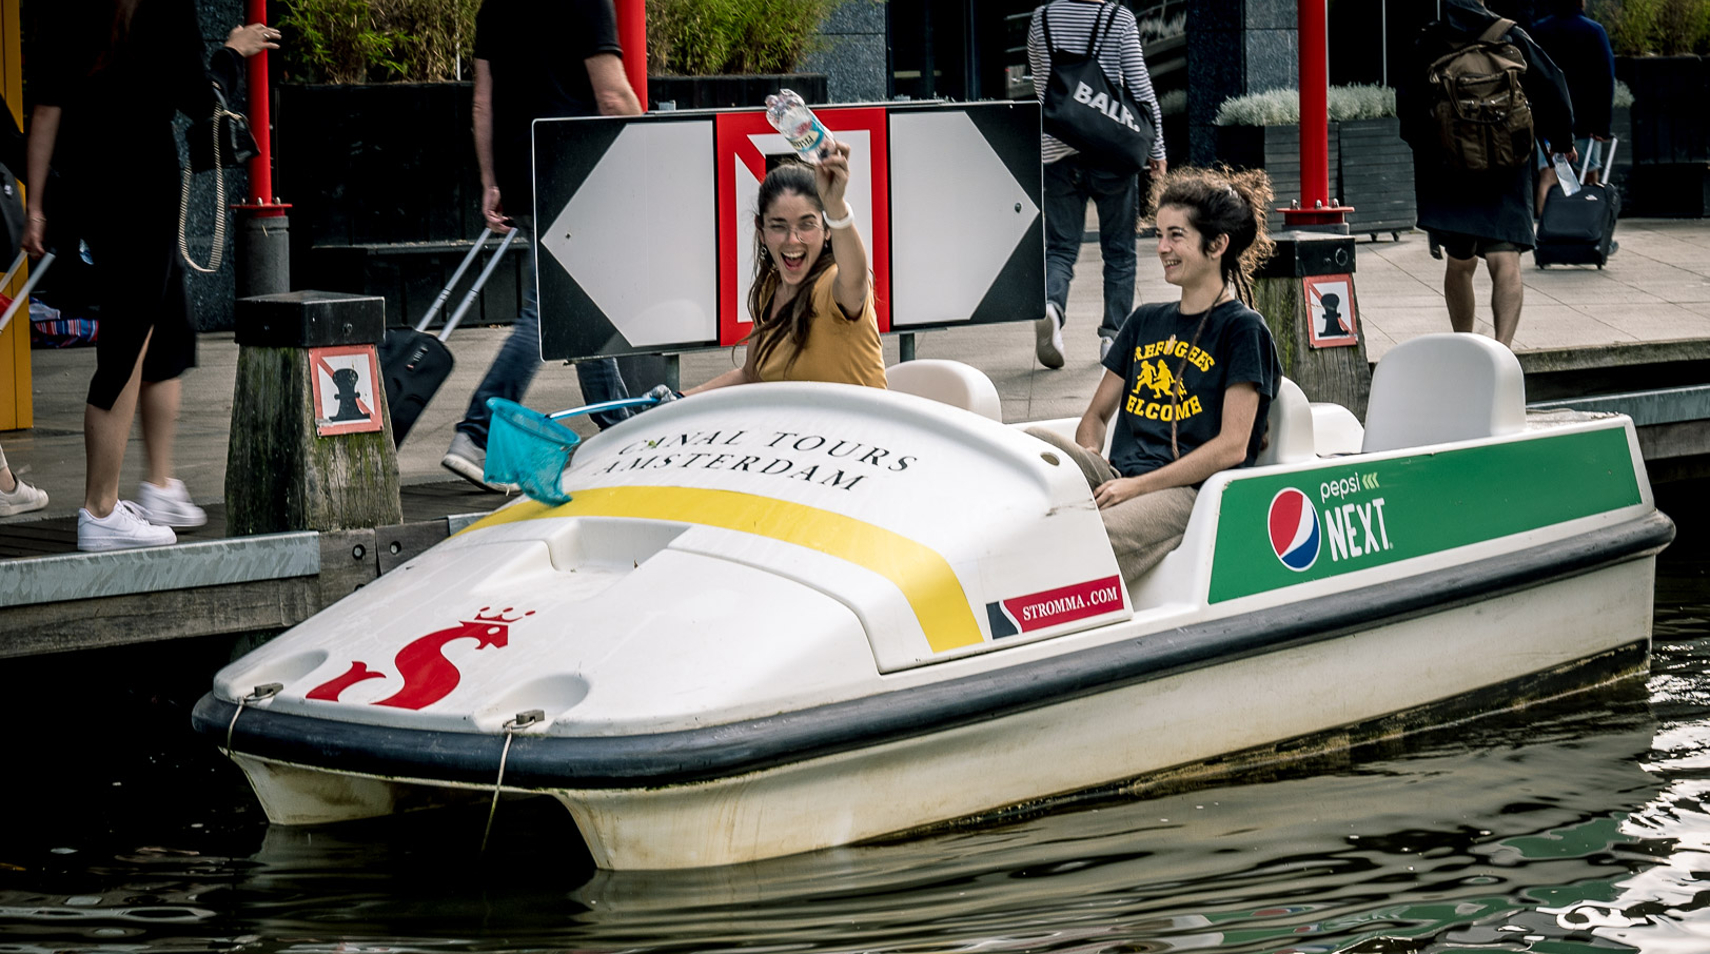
(1279, 531)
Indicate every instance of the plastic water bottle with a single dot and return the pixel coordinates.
(791, 117)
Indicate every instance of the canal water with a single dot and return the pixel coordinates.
(1581, 826)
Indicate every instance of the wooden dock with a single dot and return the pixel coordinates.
(55, 600)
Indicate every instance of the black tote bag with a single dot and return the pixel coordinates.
(1083, 108)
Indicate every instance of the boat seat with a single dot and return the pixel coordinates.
(1289, 428)
(948, 382)
(1444, 387)
(1335, 430)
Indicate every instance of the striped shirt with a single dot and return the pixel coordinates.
(1119, 54)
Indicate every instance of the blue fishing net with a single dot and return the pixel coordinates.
(528, 449)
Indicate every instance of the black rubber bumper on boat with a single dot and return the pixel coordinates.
(724, 750)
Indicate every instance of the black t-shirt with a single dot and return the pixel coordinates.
(537, 52)
(1155, 355)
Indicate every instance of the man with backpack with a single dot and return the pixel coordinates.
(1106, 34)
(1479, 98)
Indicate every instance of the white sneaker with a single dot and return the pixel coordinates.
(1048, 337)
(169, 506)
(22, 499)
(466, 460)
(123, 529)
(1104, 344)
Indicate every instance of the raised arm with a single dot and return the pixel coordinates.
(832, 178)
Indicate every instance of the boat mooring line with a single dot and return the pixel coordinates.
(522, 720)
(689, 755)
(262, 693)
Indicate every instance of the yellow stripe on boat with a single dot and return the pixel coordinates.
(921, 573)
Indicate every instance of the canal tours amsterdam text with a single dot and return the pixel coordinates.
(790, 455)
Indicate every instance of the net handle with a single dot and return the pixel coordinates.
(644, 401)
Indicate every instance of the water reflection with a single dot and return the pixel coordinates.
(1576, 827)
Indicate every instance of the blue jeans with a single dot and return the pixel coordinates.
(1068, 186)
(518, 360)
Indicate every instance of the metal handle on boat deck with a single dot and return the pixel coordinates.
(23, 298)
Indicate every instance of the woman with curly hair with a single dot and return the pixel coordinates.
(812, 299)
(1191, 380)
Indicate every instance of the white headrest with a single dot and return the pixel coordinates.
(1444, 387)
(948, 382)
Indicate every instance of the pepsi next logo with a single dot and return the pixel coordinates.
(1353, 529)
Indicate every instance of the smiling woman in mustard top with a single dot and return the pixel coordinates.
(812, 300)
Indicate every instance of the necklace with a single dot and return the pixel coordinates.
(1177, 389)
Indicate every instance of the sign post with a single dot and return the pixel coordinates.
(646, 230)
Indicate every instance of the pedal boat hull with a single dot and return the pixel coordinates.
(1203, 667)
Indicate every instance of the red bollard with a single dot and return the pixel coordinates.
(263, 249)
(632, 36)
(1316, 207)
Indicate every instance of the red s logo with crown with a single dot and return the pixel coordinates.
(428, 675)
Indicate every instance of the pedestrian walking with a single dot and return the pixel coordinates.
(534, 61)
(1477, 95)
(1073, 178)
(1580, 47)
(112, 75)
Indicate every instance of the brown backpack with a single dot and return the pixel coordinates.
(1483, 119)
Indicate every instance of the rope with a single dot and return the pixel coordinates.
(261, 693)
(219, 250)
(522, 721)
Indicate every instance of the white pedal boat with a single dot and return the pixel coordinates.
(778, 618)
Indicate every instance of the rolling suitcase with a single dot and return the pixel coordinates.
(414, 363)
(1579, 229)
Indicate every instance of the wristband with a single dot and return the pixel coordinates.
(842, 223)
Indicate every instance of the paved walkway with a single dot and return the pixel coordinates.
(1656, 289)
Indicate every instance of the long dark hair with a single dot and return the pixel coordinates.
(1225, 202)
(796, 320)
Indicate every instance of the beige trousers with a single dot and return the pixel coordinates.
(1141, 529)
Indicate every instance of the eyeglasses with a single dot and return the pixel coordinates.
(806, 230)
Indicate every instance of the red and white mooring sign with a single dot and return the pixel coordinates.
(645, 224)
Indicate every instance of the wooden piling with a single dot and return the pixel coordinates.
(282, 472)
(1339, 375)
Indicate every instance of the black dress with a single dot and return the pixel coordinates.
(114, 198)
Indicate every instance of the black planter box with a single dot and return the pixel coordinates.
(386, 195)
(718, 92)
(1377, 177)
(1671, 123)
(1275, 149)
